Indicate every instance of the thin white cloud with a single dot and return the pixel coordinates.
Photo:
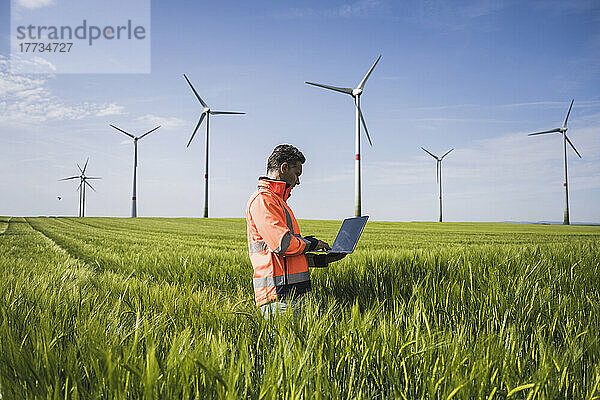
(501, 165)
(32, 4)
(554, 104)
(533, 103)
(294, 13)
(487, 120)
(35, 65)
(482, 8)
(454, 16)
(111, 109)
(168, 123)
(561, 7)
(359, 8)
(26, 100)
(443, 107)
(472, 106)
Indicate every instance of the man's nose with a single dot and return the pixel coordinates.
(297, 181)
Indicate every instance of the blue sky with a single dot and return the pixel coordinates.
(476, 76)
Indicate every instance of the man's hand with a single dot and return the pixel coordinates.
(322, 246)
(316, 244)
(332, 257)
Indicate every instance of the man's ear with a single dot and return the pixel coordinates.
(283, 168)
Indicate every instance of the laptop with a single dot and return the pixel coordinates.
(348, 235)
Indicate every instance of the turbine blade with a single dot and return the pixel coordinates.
(364, 125)
(85, 166)
(121, 130)
(195, 130)
(89, 177)
(569, 140)
(430, 153)
(80, 170)
(196, 93)
(79, 187)
(337, 89)
(66, 179)
(149, 132)
(364, 80)
(87, 183)
(566, 119)
(225, 112)
(541, 133)
(448, 152)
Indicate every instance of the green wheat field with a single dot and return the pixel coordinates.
(161, 308)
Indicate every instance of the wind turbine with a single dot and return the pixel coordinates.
(135, 152)
(206, 112)
(563, 129)
(83, 181)
(438, 173)
(355, 93)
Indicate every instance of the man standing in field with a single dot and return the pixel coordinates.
(277, 251)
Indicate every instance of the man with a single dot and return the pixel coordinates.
(277, 251)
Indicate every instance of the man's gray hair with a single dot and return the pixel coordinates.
(284, 153)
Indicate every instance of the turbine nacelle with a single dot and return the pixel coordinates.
(355, 93)
(135, 138)
(205, 110)
(563, 129)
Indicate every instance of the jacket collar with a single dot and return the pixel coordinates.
(280, 188)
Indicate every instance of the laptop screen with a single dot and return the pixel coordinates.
(349, 233)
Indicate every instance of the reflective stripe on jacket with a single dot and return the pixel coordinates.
(275, 245)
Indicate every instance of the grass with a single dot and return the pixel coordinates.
(163, 308)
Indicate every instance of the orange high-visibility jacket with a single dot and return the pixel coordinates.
(275, 245)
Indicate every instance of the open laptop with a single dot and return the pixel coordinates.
(348, 235)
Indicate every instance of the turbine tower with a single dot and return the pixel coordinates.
(135, 153)
(563, 129)
(83, 181)
(355, 93)
(438, 173)
(206, 112)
